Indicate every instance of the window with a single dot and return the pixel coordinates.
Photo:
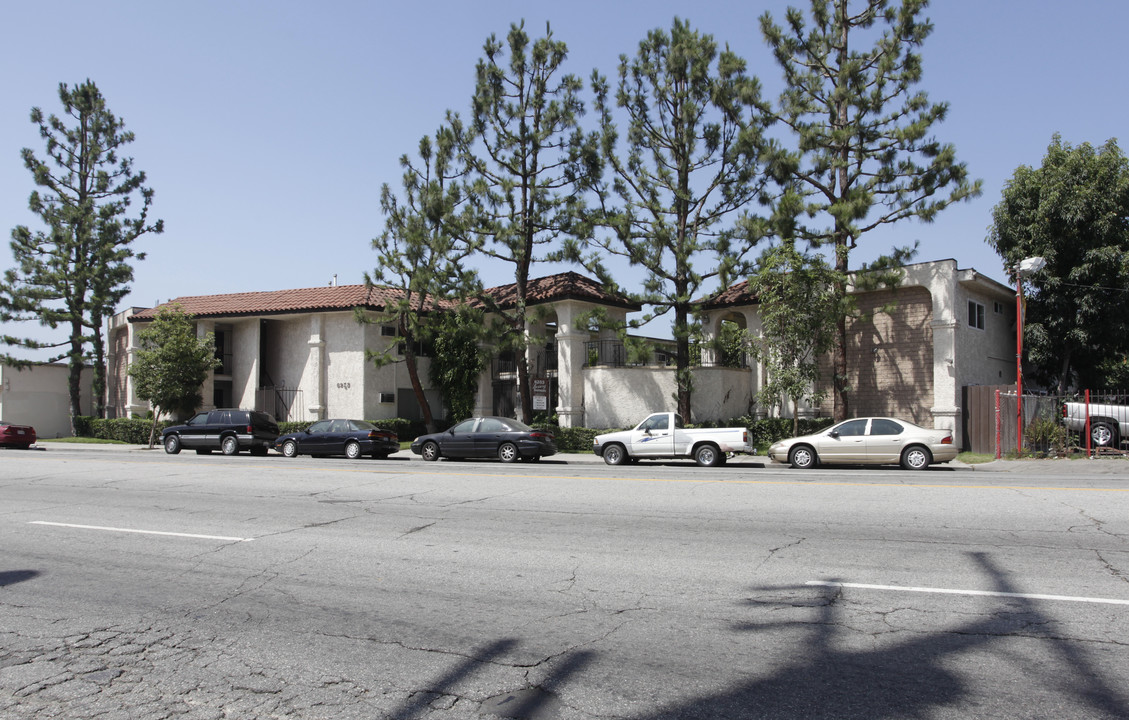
(975, 315)
(387, 331)
(881, 426)
(852, 428)
(999, 308)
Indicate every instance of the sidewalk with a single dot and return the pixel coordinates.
(1102, 466)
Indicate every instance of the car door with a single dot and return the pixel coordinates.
(459, 440)
(194, 431)
(844, 443)
(653, 437)
(313, 441)
(488, 437)
(885, 441)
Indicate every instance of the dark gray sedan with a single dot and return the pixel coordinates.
(351, 438)
(507, 439)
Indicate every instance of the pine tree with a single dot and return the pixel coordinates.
(422, 250)
(692, 158)
(75, 271)
(530, 164)
(864, 157)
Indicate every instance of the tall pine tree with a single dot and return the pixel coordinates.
(75, 270)
(864, 155)
(422, 250)
(530, 165)
(691, 158)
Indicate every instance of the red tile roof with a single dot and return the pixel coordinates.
(731, 296)
(275, 302)
(565, 286)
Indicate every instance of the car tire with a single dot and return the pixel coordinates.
(707, 455)
(172, 444)
(615, 454)
(229, 445)
(1103, 435)
(429, 451)
(507, 452)
(803, 457)
(352, 450)
(289, 449)
(916, 457)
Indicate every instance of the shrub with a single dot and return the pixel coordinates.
(130, 430)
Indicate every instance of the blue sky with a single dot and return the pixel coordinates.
(267, 128)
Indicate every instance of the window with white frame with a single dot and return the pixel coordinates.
(975, 315)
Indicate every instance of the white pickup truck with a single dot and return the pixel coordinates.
(1109, 423)
(663, 436)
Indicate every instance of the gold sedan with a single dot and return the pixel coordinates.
(868, 441)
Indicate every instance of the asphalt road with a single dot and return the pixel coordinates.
(141, 585)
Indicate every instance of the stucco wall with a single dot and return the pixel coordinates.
(621, 397)
(985, 357)
(38, 396)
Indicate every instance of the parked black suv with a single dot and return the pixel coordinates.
(226, 429)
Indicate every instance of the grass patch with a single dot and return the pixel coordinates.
(83, 440)
(971, 458)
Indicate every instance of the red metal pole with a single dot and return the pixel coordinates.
(1018, 363)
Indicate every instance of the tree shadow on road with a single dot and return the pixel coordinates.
(913, 678)
(11, 577)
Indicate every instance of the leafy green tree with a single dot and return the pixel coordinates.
(422, 252)
(458, 361)
(864, 156)
(76, 270)
(530, 162)
(1074, 212)
(690, 159)
(171, 364)
(799, 312)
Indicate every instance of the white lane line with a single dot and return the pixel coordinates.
(987, 593)
(143, 532)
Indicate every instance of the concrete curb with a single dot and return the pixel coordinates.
(1102, 466)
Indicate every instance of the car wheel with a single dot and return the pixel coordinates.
(172, 444)
(289, 448)
(707, 456)
(352, 450)
(615, 455)
(429, 451)
(802, 457)
(1103, 434)
(229, 445)
(916, 458)
(507, 452)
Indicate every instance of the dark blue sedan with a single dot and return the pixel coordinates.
(351, 438)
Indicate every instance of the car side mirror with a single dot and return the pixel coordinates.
(834, 433)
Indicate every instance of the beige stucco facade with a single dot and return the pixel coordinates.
(911, 362)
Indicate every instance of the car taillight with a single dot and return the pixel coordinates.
(541, 436)
(250, 430)
(948, 440)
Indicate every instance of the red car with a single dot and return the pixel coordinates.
(20, 436)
